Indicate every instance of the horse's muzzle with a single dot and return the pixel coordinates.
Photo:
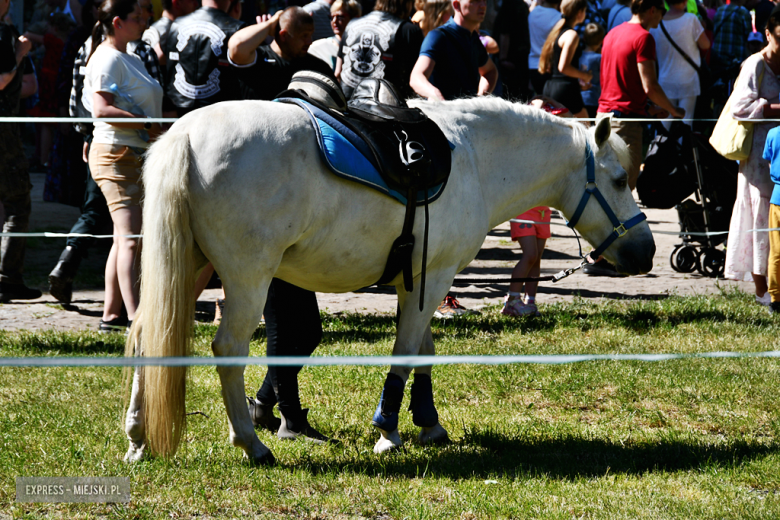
(636, 257)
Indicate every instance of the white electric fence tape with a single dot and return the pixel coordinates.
(407, 361)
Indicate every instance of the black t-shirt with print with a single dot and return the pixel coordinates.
(271, 74)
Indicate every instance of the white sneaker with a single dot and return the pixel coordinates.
(765, 300)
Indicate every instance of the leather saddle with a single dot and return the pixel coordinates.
(409, 151)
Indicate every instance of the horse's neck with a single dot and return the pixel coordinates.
(525, 165)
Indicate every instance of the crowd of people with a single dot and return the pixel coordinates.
(619, 59)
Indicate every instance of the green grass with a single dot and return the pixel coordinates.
(694, 438)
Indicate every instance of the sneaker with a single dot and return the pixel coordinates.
(17, 291)
(764, 300)
(263, 415)
(306, 432)
(219, 308)
(61, 277)
(120, 324)
(774, 308)
(450, 308)
(516, 307)
(602, 268)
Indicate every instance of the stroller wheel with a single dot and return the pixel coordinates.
(712, 263)
(684, 259)
(673, 258)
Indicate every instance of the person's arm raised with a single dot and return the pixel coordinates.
(243, 44)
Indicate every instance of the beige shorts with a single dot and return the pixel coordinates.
(631, 133)
(117, 171)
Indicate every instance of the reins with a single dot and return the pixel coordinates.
(619, 229)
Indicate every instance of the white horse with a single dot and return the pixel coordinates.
(241, 184)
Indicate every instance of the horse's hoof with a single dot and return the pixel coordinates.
(433, 435)
(267, 459)
(136, 452)
(388, 441)
(260, 456)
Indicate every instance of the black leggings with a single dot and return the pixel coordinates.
(293, 327)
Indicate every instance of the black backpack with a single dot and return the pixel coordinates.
(669, 175)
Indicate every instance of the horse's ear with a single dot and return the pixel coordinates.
(603, 129)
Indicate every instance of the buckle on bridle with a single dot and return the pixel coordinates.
(621, 230)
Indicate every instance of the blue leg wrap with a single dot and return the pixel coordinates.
(424, 413)
(386, 415)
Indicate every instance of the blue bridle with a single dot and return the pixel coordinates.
(620, 228)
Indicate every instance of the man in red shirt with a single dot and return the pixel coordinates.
(630, 89)
(629, 80)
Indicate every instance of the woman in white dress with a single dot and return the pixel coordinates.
(756, 97)
(678, 78)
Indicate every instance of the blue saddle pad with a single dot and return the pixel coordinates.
(348, 156)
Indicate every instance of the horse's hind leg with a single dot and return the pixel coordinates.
(134, 420)
(421, 405)
(243, 310)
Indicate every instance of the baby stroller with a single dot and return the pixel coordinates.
(674, 171)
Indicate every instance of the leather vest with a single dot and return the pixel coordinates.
(368, 45)
(198, 73)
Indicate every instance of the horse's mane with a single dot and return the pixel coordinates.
(495, 107)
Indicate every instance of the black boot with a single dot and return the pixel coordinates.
(61, 277)
(299, 428)
(263, 415)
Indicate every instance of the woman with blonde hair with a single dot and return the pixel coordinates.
(561, 57)
(432, 14)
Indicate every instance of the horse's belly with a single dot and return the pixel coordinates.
(331, 277)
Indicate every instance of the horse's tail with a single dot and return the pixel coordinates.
(167, 282)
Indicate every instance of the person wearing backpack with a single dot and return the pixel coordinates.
(618, 14)
(678, 39)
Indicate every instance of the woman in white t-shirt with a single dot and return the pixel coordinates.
(119, 86)
(676, 76)
(540, 22)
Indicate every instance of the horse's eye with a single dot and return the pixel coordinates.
(621, 183)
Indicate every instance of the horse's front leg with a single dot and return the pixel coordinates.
(421, 405)
(412, 326)
(242, 313)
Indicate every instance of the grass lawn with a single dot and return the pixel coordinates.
(694, 438)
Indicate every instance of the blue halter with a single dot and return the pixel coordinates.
(620, 228)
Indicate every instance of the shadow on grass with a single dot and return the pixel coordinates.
(640, 318)
(64, 343)
(489, 454)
